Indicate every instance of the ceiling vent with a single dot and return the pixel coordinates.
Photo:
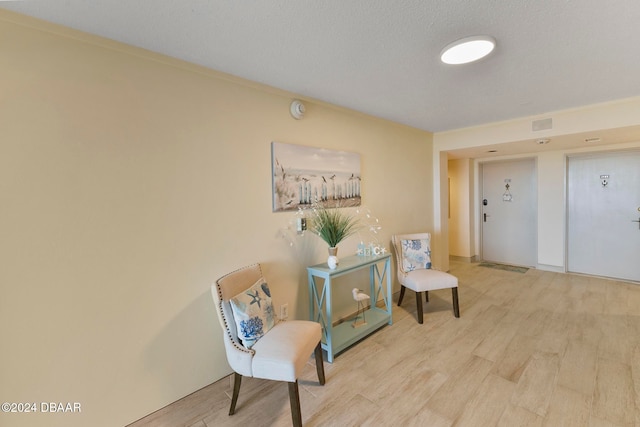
(542, 124)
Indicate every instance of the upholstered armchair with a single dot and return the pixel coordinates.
(413, 261)
(259, 346)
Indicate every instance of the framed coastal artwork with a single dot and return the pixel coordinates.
(303, 175)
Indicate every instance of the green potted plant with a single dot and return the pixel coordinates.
(333, 226)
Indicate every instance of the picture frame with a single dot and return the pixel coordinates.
(303, 175)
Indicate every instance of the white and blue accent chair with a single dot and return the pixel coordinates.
(413, 261)
(280, 353)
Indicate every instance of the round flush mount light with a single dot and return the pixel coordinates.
(467, 50)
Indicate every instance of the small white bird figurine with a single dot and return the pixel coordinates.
(360, 297)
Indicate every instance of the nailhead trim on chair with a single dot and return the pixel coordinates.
(226, 322)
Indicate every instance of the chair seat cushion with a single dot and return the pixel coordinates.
(282, 353)
(428, 280)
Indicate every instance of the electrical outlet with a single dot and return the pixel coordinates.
(284, 311)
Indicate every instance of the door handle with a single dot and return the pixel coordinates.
(638, 221)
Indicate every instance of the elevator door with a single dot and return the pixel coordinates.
(509, 212)
(603, 215)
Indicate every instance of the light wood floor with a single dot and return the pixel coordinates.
(532, 349)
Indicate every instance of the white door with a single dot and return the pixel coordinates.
(509, 212)
(603, 236)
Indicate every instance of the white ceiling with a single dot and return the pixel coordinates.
(381, 57)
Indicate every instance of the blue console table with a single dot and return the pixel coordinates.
(339, 337)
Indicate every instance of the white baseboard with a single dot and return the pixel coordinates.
(552, 268)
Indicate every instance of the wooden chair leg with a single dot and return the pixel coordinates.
(294, 398)
(319, 363)
(426, 296)
(419, 304)
(456, 308)
(402, 288)
(237, 380)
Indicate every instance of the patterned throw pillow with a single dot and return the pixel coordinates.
(416, 254)
(253, 313)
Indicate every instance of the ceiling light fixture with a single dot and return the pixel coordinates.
(467, 50)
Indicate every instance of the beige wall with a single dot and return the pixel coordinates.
(461, 208)
(129, 182)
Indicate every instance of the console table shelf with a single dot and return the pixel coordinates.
(337, 338)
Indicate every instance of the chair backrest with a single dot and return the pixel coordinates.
(225, 288)
(237, 281)
(397, 246)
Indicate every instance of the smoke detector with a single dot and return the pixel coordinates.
(297, 109)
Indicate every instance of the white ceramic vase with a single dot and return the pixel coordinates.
(332, 261)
